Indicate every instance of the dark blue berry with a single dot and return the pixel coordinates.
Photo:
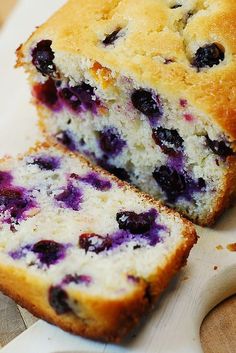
(67, 139)
(94, 242)
(14, 201)
(208, 56)
(46, 163)
(46, 93)
(42, 58)
(77, 279)
(71, 197)
(49, 252)
(70, 98)
(135, 223)
(120, 173)
(170, 181)
(147, 103)
(169, 140)
(111, 38)
(219, 147)
(58, 299)
(111, 142)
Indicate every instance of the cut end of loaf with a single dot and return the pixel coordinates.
(93, 253)
(160, 120)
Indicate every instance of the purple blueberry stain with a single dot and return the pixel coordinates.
(46, 93)
(14, 203)
(141, 229)
(147, 103)
(95, 180)
(168, 140)
(96, 243)
(20, 253)
(48, 163)
(111, 142)
(219, 147)
(58, 300)
(77, 279)
(67, 139)
(208, 56)
(49, 252)
(42, 58)
(5, 178)
(71, 198)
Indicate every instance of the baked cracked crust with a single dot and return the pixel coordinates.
(150, 40)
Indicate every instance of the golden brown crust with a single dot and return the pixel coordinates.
(105, 320)
(148, 42)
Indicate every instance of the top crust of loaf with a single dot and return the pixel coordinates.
(153, 33)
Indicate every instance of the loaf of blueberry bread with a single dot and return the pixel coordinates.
(81, 249)
(146, 89)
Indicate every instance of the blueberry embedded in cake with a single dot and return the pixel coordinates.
(83, 242)
(151, 96)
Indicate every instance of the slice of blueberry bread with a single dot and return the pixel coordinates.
(81, 249)
(147, 90)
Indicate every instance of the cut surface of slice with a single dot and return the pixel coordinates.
(81, 249)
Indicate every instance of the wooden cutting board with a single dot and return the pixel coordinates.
(207, 267)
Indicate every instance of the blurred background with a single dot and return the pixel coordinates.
(5, 7)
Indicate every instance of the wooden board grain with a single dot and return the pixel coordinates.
(218, 331)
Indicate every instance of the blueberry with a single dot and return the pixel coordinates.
(111, 38)
(146, 102)
(49, 251)
(169, 140)
(77, 279)
(111, 142)
(46, 162)
(46, 93)
(42, 58)
(94, 242)
(70, 98)
(170, 181)
(71, 197)
(134, 222)
(58, 299)
(67, 139)
(208, 56)
(201, 184)
(14, 201)
(120, 173)
(219, 147)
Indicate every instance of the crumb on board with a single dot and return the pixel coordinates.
(231, 247)
(219, 247)
(215, 268)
